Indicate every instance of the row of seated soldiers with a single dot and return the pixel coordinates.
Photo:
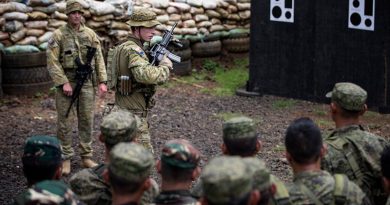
(348, 166)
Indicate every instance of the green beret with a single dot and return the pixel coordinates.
(226, 178)
(130, 161)
(261, 175)
(349, 96)
(181, 154)
(42, 150)
(118, 126)
(239, 128)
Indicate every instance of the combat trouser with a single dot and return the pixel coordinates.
(85, 115)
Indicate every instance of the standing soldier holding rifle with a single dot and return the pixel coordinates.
(75, 63)
(137, 77)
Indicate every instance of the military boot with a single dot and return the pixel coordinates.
(88, 163)
(66, 167)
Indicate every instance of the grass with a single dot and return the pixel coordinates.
(284, 104)
(323, 124)
(227, 115)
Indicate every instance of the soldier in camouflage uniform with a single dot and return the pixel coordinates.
(128, 172)
(352, 150)
(228, 180)
(66, 44)
(89, 184)
(48, 192)
(385, 165)
(240, 138)
(41, 159)
(135, 92)
(178, 168)
(311, 185)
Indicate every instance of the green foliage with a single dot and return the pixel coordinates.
(211, 65)
(283, 104)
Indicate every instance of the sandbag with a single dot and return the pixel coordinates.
(119, 26)
(204, 24)
(172, 10)
(43, 46)
(194, 10)
(204, 31)
(189, 23)
(21, 49)
(29, 40)
(118, 33)
(213, 14)
(232, 9)
(36, 24)
(181, 6)
(96, 24)
(12, 26)
(163, 18)
(60, 16)
(243, 6)
(15, 16)
(174, 17)
(103, 18)
(191, 31)
(2, 21)
(223, 12)
(234, 17)
(216, 21)
(1, 47)
(18, 35)
(37, 15)
(186, 16)
(159, 11)
(56, 23)
(35, 32)
(101, 8)
(158, 3)
(222, 4)
(41, 2)
(19, 7)
(7, 7)
(239, 32)
(46, 9)
(61, 6)
(201, 17)
(245, 14)
(3, 35)
(230, 26)
(196, 3)
(214, 28)
(6, 42)
(210, 4)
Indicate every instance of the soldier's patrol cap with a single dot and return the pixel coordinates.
(226, 178)
(73, 5)
(261, 174)
(118, 126)
(143, 17)
(239, 128)
(42, 150)
(130, 161)
(349, 96)
(180, 153)
(49, 192)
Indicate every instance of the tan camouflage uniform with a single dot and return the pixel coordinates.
(64, 47)
(321, 185)
(353, 151)
(144, 76)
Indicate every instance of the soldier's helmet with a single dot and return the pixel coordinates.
(239, 128)
(143, 18)
(74, 5)
(118, 126)
(181, 154)
(349, 96)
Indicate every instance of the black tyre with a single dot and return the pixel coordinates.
(184, 54)
(206, 49)
(27, 89)
(236, 45)
(182, 68)
(24, 60)
(26, 75)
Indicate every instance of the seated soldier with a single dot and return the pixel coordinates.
(311, 185)
(128, 172)
(352, 150)
(240, 138)
(88, 184)
(49, 192)
(385, 164)
(178, 168)
(228, 180)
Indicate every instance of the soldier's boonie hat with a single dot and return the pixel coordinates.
(73, 5)
(50, 192)
(118, 126)
(238, 128)
(181, 154)
(42, 149)
(226, 178)
(349, 96)
(130, 161)
(143, 17)
(261, 174)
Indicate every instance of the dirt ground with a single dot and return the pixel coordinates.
(181, 111)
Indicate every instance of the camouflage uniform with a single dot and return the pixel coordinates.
(181, 155)
(40, 150)
(48, 192)
(88, 184)
(226, 180)
(388, 201)
(323, 187)
(351, 150)
(144, 77)
(65, 45)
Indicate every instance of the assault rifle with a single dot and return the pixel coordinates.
(83, 71)
(160, 49)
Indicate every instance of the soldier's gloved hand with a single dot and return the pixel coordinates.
(166, 62)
